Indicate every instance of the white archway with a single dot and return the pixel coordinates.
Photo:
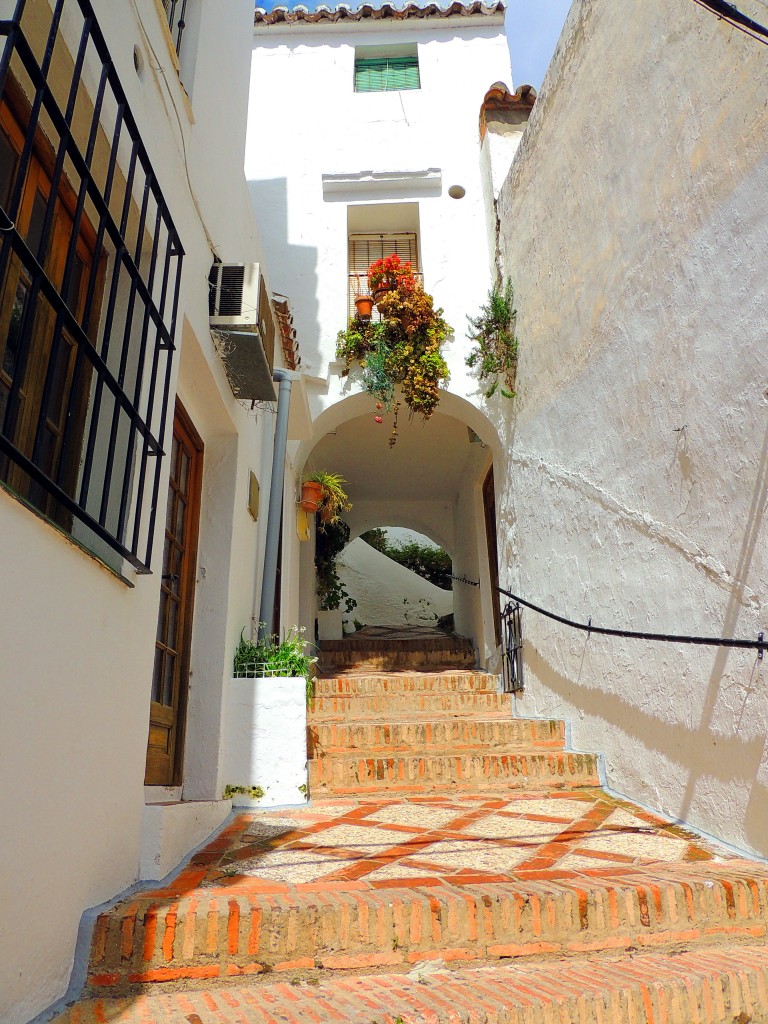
(431, 482)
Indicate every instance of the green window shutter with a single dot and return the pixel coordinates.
(386, 74)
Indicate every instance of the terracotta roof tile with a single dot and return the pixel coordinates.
(343, 12)
(500, 100)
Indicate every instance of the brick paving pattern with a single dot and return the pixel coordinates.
(461, 865)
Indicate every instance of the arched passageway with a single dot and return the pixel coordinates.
(430, 481)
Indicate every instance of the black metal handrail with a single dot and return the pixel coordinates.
(176, 24)
(759, 644)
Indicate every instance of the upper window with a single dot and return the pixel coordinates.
(380, 70)
(375, 231)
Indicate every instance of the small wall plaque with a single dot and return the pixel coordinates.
(253, 496)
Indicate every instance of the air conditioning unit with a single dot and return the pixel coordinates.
(243, 319)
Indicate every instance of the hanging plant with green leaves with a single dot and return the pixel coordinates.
(495, 351)
(402, 350)
(331, 540)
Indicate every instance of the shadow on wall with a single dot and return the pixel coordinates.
(291, 269)
(735, 602)
(703, 753)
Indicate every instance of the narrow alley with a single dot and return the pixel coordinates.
(455, 864)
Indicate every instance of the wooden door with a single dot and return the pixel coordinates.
(489, 505)
(170, 680)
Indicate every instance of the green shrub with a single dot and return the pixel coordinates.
(496, 344)
(273, 657)
(432, 564)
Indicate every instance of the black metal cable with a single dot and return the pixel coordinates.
(736, 18)
(759, 645)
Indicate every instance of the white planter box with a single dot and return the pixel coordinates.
(264, 740)
(329, 625)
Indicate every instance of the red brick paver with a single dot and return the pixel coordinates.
(466, 853)
(706, 988)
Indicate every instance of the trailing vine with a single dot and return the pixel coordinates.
(331, 540)
(496, 345)
(403, 349)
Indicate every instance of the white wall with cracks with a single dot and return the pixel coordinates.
(636, 465)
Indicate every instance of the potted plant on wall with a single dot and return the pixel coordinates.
(311, 495)
(364, 306)
(362, 296)
(496, 344)
(329, 498)
(264, 750)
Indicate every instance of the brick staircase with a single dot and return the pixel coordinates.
(455, 865)
(441, 731)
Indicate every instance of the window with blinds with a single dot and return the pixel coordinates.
(364, 249)
(387, 74)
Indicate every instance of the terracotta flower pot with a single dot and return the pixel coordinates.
(311, 495)
(364, 306)
(381, 290)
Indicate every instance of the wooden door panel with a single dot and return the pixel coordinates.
(174, 622)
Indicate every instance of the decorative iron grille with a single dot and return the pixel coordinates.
(90, 268)
(512, 657)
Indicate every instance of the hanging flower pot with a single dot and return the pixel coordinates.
(311, 496)
(381, 290)
(364, 306)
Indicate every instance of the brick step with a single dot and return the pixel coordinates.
(218, 933)
(713, 986)
(472, 704)
(394, 661)
(406, 682)
(383, 655)
(448, 736)
(404, 773)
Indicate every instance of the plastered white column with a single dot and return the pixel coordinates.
(264, 740)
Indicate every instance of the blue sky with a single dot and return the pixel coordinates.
(533, 28)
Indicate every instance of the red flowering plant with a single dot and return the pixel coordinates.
(389, 272)
(402, 351)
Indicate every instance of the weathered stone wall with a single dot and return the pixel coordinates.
(635, 230)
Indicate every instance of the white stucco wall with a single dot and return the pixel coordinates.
(305, 174)
(387, 593)
(75, 701)
(264, 740)
(304, 227)
(77, 643)
(634, 228)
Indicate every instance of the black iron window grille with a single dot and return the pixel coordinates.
(512, 655)
(175, 12)
(90, 268)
